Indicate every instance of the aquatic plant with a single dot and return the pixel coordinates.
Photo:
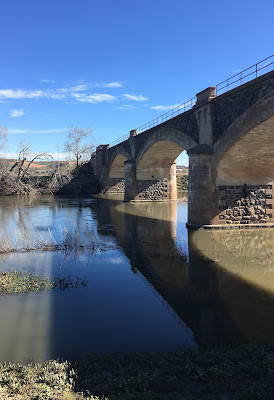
(12, 282)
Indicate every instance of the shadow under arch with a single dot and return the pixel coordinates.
(119, 152)
(116, 171)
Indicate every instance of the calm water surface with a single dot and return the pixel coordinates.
(150, 284)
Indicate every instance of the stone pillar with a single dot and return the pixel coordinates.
(133, 133)
(201, 199)
(205, 115)
(173, 182)
(132, 136)
(130, 180)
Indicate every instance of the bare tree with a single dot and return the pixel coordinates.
(3, 136)
(24, 151)
(21, 163)
(79, 143)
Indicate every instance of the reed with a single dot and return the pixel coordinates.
(68, 242)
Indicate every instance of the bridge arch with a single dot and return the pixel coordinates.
(168, 135)
(155, 167)
(116, 171)
(117, 159)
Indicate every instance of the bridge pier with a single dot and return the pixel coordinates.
(130, 180)
(161, 186)
(201, 199)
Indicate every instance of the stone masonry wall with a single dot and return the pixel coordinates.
(116, 185)
(230, 106)
(245, 204)
(152, 189)
(185, 123)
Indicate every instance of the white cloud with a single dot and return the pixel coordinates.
(75, 92)
(114, 85)
(29, 94)
(93, 98)
(47, 80)
(126, 107)
(135, 98)
(16, 113)
(164, 108)
(55, 96)
(72, 89)
(80, 93)
(37, 131)
(20, 94)
(78, 88)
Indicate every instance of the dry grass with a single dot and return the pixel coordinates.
(238, 373)
(67, 242)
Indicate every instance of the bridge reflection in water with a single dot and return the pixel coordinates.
(220, 283)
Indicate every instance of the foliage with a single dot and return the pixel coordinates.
(182, 181)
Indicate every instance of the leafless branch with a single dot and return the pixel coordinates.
(37, 157)
(79, 143)
(3, 136)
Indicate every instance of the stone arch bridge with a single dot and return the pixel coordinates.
(230, 142)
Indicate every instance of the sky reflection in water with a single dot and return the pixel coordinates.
(119, 310)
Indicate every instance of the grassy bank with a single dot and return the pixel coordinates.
(243, 372)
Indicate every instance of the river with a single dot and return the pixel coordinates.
(146, 283)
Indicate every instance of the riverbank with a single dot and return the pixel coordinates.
(241, 372)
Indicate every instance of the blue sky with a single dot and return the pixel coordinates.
(114, 65)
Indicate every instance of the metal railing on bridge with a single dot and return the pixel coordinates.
(180, 109)
(236, 80)
(244, 76)
(187, 105)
